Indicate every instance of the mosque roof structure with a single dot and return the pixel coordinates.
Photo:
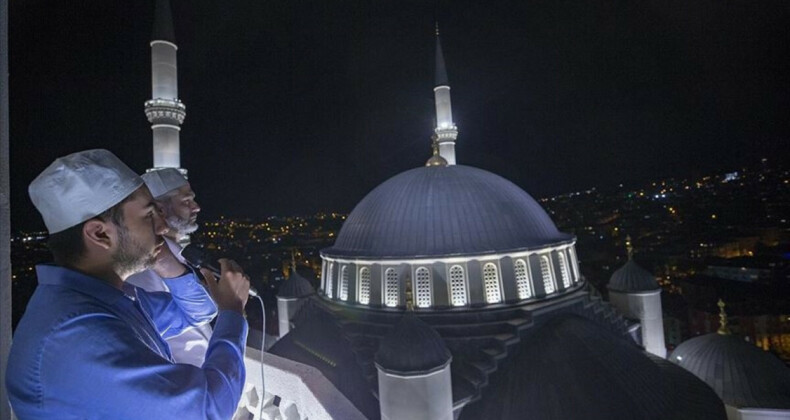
(444, 211)
(632, 278)
(742, 374)
(576, 349)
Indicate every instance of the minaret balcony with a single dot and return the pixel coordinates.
(446, 133)
(165, 111)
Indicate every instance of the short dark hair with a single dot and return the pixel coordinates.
(68, 246)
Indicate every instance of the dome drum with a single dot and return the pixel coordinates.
(460, 282)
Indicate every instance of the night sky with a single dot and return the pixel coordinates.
(295, 107)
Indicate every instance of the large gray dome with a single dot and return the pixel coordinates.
(444, 211)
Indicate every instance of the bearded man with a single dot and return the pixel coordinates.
(90, 346)
(174, 197)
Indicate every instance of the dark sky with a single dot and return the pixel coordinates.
(299, 106)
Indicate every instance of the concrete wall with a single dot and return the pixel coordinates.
(424, 397)
(646, 307)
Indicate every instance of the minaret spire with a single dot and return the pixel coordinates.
(164, 110)
(446, 131)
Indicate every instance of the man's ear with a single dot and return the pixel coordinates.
(99, 233)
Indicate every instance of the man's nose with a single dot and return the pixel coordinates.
(195, 207)
(160, 226)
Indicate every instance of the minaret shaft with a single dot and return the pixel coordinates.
(165, 111)
(446, 131)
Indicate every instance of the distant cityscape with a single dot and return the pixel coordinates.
(724, 236)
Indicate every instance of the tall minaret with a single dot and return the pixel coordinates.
(165, 111)
(446, 131)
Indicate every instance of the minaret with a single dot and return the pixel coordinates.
(446, 131)
(635, 292)
(165, 111)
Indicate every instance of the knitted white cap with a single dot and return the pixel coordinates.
(162, 181)
(80, 186)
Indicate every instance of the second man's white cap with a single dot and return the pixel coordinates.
(162, 181)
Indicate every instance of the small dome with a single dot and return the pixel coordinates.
(742, 374)
(412, 348)
(452, 211)
(632, 278)
(295, 286)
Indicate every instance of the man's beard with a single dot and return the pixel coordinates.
(181, 226)
(131, 257)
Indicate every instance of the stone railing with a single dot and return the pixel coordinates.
(292, 391)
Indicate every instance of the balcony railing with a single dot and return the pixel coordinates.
(292, 390)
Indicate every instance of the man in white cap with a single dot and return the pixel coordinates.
(176, 200)
(91, 346)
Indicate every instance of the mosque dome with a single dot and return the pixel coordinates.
(742, 374)
(632, 278)
(439, 211)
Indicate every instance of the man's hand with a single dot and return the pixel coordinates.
(232, 289)
(166, 264)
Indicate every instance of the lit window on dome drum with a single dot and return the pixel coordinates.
(564, 272)
(329, 280)
(545, 271)
(522, 280)
(457, 285)
(491, 280)
(391, 289)
(342, 293)
(423, 277)
(364, 286)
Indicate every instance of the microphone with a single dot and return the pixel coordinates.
(200, 258)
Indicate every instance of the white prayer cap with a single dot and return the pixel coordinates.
(162, 181)
(80, 186)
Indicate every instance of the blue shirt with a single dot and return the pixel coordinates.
(86, 350)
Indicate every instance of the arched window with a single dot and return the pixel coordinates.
(364, 286)
(391, 289)
(342, 293)
(523, 287)
(457, 286)
(545, 272)
(423, 277)
(491, 282)
(564, 271)
(329, 280)
(574, 264)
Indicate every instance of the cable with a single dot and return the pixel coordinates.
(263, 348)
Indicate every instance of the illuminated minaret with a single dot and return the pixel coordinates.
(165, 111)
(446, 131)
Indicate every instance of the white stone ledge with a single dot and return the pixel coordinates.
(305, 386)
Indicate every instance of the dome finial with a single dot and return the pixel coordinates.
(723, 329)
(436, 159)
(293, 260)
(629, 248)
(437, 27)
